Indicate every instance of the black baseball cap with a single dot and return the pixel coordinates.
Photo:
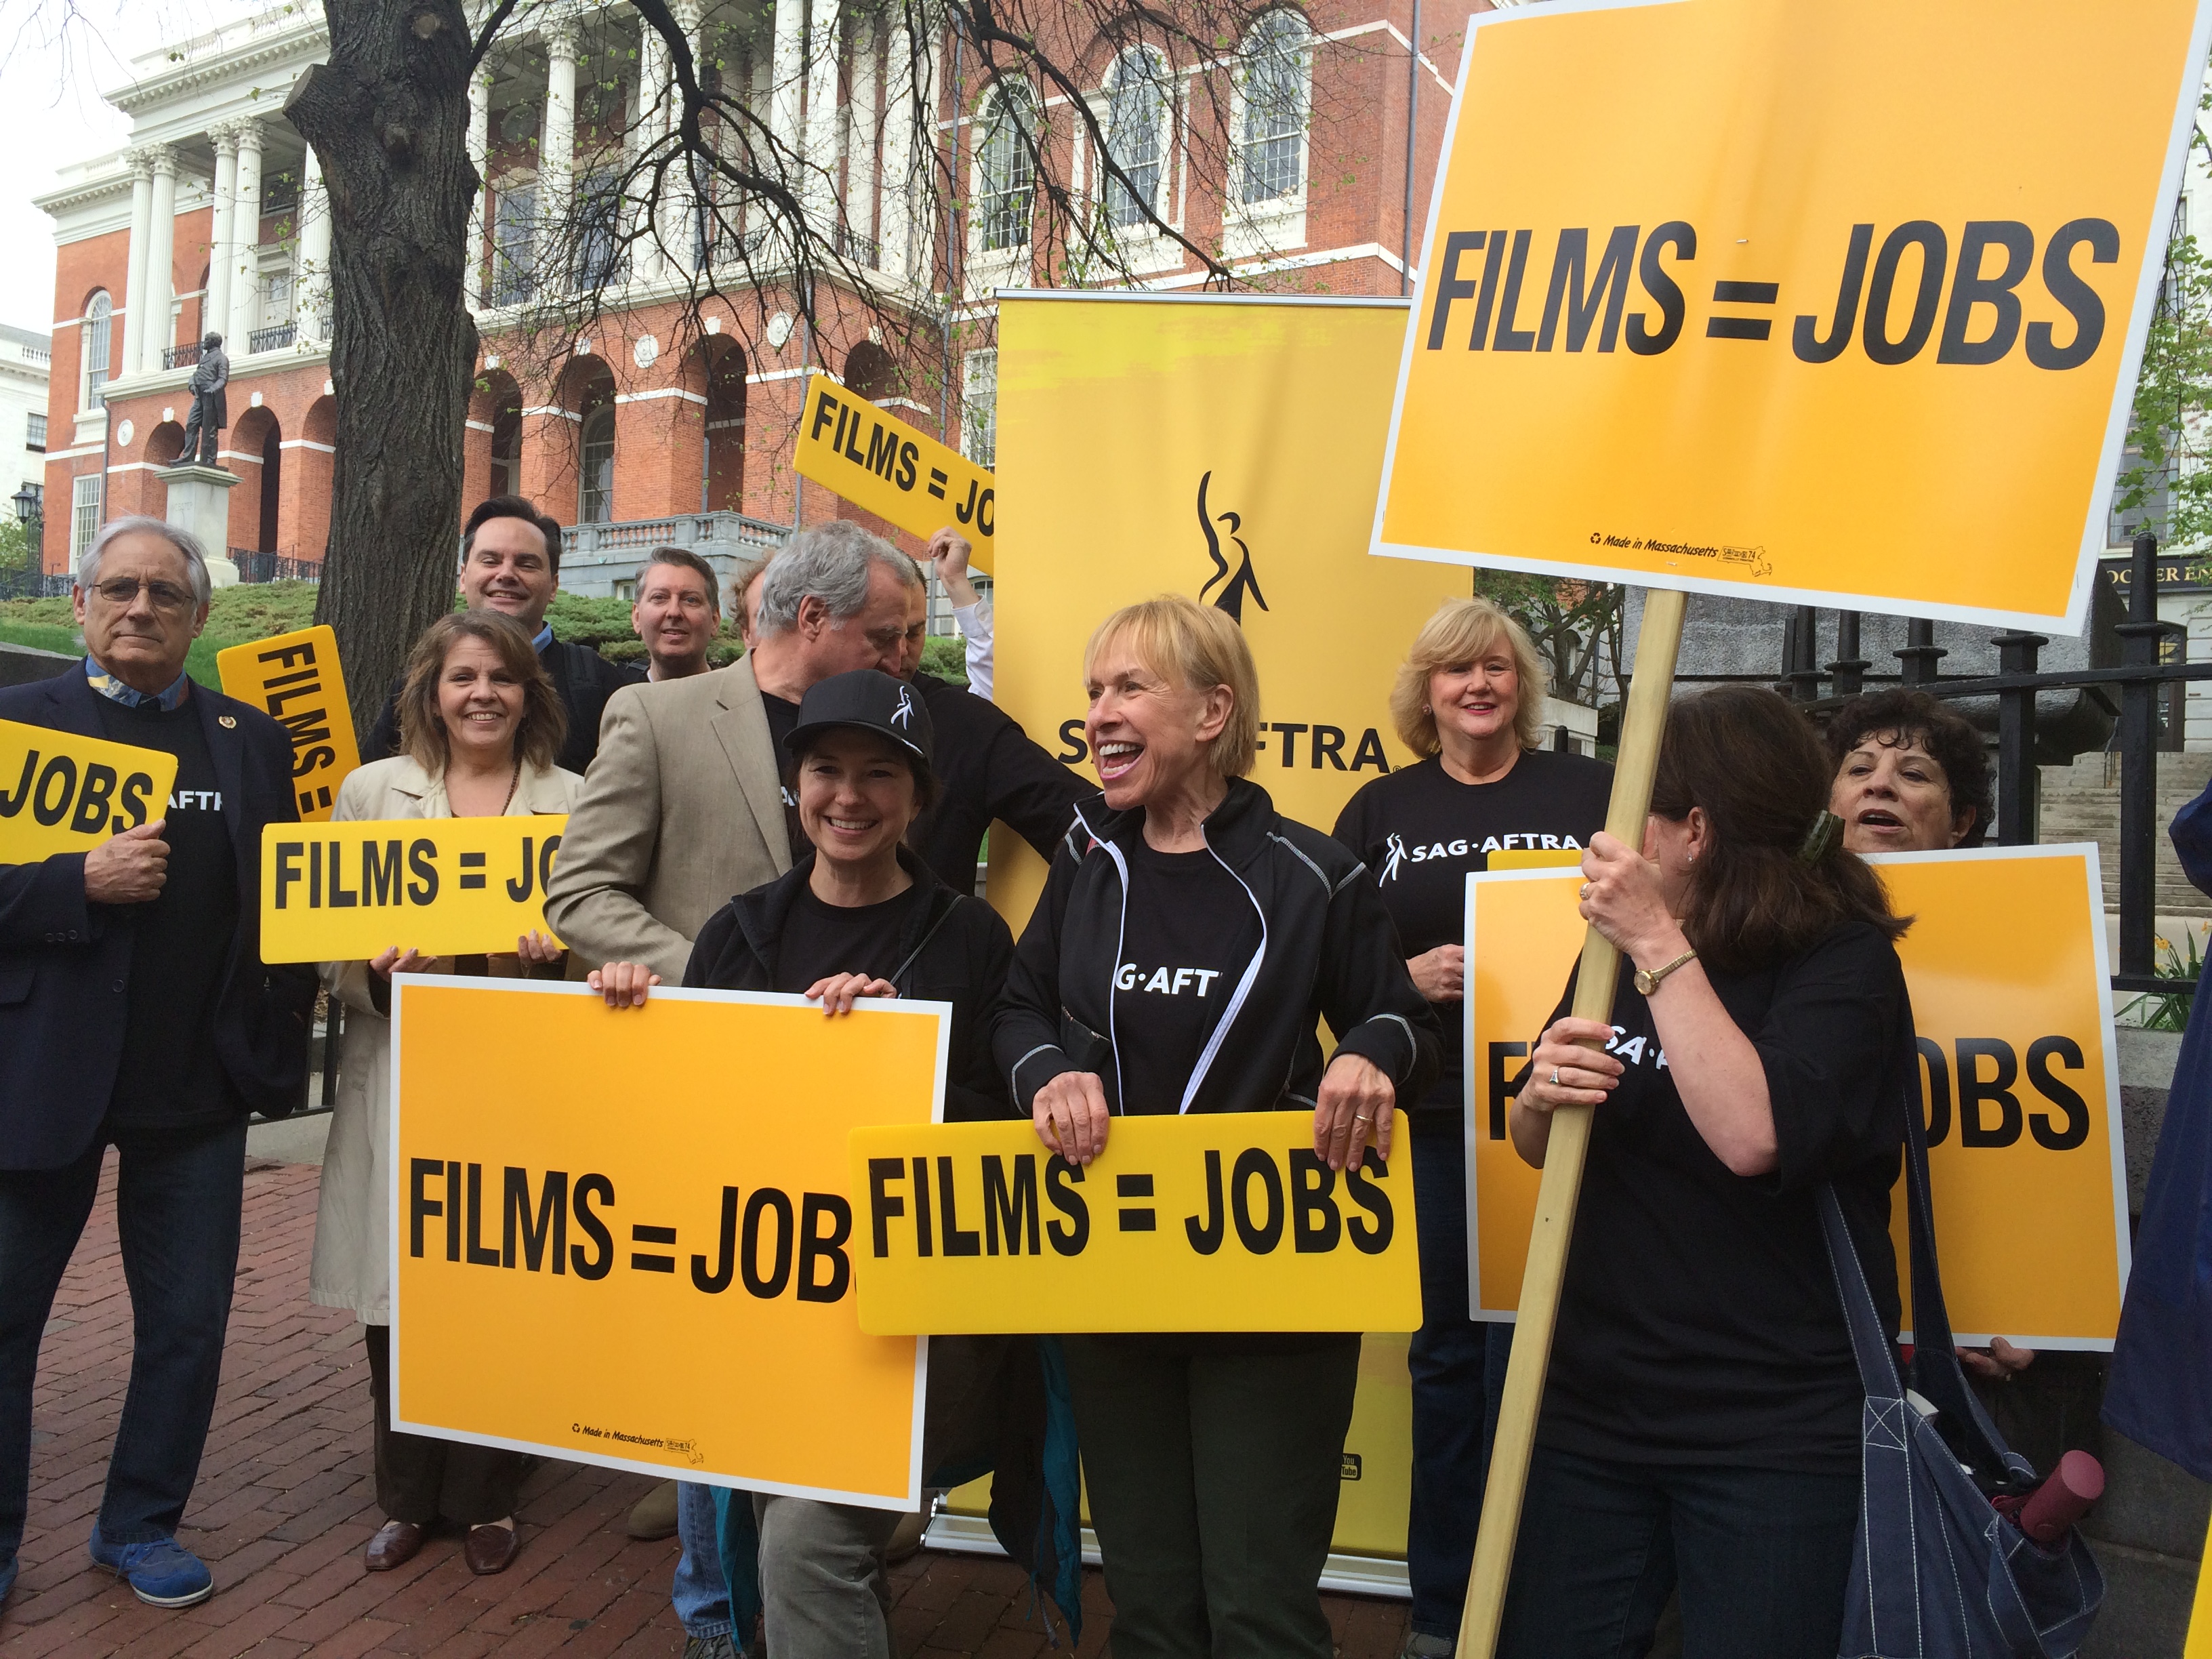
(868, 700)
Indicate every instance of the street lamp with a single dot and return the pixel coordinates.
(28, 499)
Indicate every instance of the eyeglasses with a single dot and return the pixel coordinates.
(165, 597)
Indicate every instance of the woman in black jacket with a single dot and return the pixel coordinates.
(859, 916)
(1187, 940)
(1702, 1413)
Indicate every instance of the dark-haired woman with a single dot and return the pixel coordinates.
(1701, 1413)
(860, 915)
(479, 725)
(1912, 775)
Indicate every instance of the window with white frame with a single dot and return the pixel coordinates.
(979, 407)
(514, 230)
(1272, 145)
(85, 513)
(1006, 168)
(1136, 135)
(35, 433)
(97, 317)
(595, 499)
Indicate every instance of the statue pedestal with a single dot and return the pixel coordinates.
(199, 501)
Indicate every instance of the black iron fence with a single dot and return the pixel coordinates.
(2142, 694)
(254, 566)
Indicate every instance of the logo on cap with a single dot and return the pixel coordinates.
(904, 712)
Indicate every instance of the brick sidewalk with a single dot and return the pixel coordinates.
(286, 1501)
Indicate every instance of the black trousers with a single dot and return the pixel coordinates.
(1761, 1558)
(420, 1478)
(1214, 1479)
(200, 435)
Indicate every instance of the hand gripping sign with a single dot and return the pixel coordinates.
(1207, 1222)
(2018, 1081)
(1831, 301)
(877, 461)
(343, 892)
(295, 677)
(622, 1236)
(60, 793)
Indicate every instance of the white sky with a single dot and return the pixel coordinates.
(55, 57)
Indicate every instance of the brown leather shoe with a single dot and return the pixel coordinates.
(488, 1548)
(394, 1546)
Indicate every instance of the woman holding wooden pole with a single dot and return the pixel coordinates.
(1701, 1414)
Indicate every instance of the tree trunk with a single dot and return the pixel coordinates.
(388, 117)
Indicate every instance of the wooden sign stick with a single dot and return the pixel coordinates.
(1657, 642)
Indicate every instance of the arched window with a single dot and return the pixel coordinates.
(1273, 142)
(1136, 135)
(595, 501)
(97, 317)
(1005, 167)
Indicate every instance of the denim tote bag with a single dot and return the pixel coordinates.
(1937, 1573)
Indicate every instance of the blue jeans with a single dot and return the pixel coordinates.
(1762, 1558)
(701, 1598)
(1458, 1367)
(177, 1198)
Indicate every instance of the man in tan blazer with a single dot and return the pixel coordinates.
(683, 808)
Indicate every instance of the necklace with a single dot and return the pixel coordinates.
(513, 784)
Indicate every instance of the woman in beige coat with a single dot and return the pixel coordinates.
(479, 724)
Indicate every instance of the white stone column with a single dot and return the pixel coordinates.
(312, 288)
(787, 75)
(158, 333)
(472, 280)
(246, 243)
(656, 113)
(679, 218)
(125, 361)
(820, 191)
(556, 156)
(215, 306)
(864, 139)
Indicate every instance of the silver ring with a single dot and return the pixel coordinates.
(1585, 892)
(1359, 1117)
(1555, 1076)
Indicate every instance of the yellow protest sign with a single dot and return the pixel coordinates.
(1227, 449)
(1208, 1222)
(2019, 1082)
(60, 793)
(1826, 301)
(613, 1246)
(342, 892)
(297, 677)
(877, 461)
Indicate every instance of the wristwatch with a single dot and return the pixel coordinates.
(1646, 983)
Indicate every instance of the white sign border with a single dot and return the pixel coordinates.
(911, 1500)
(2098, 508)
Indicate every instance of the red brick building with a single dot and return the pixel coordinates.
(654, 421)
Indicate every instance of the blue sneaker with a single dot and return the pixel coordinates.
(162, 1574)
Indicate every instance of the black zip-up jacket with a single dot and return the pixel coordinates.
(952, 948)
(989, 768)
(1327, 948)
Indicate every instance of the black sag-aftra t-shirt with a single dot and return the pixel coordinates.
(1699, 1321)
(1420, 831)
(782, 721)
(170, 1074)
(1190, 930)
(820, 939)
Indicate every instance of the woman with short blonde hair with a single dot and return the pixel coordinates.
(1483, 795)
(1189, 939)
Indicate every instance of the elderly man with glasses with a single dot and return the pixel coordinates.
(136, 1012)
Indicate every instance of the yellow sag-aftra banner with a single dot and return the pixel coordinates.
(296, 679)
(899, 473)
(2020, 1083)
(1828, 301)
(60, 793)
(1223, 448)
(1208, 1222)
(622, 1236)
(345, 893)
